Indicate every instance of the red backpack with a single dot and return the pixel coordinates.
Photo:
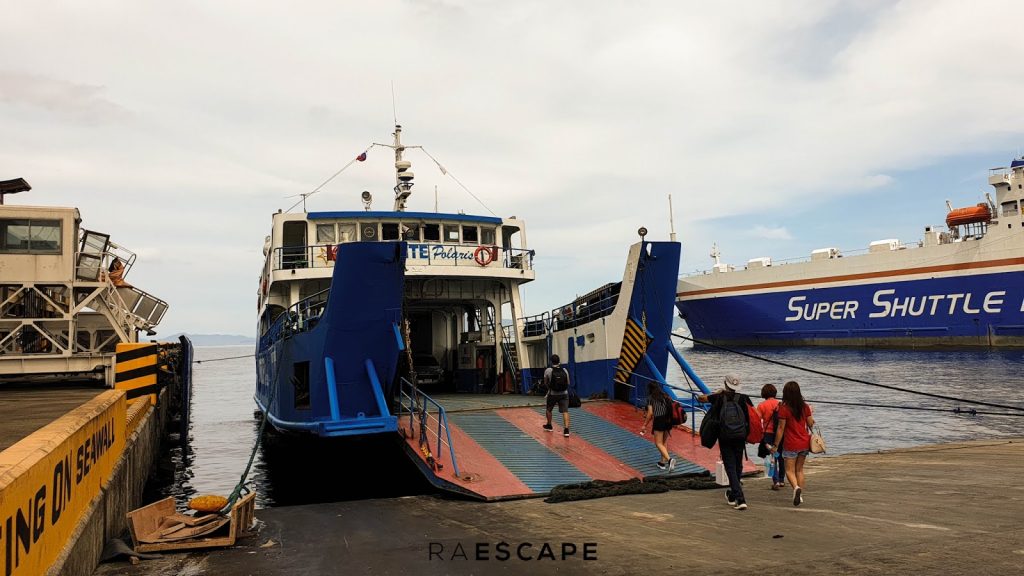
(676, 412)
(755, 432)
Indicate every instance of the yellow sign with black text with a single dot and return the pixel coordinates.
(48, 479)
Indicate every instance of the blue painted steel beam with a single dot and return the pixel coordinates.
(688, 369)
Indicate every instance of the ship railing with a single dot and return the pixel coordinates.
(299, 317)
(323, 256)
(428, 420)
(519, 258)
(1001, 171)
(536, 325)
(298, 257)
(794, 260)
(579, 312)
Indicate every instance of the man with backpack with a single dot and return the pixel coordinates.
(556, 379)
(731, 410)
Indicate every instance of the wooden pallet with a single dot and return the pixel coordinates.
(151, 534)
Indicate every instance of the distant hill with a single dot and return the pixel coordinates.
(217, 339)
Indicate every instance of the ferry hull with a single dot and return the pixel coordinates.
(985, 310)
(330, 375)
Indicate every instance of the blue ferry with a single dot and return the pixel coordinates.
(361, 309)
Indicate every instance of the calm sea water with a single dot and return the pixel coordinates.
(223, 428)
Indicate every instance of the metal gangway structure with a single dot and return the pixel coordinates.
(65, 302)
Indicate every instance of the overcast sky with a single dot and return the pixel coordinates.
(778, 127)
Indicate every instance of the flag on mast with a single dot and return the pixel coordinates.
(361, 157)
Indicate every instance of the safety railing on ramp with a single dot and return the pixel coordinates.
(423, 412)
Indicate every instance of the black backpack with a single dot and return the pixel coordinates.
(733, 419)
(559, 380)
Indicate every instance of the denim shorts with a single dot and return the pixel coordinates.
(792, 454)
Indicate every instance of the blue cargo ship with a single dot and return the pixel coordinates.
(959, 286)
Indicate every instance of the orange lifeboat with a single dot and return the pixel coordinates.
(971, 215)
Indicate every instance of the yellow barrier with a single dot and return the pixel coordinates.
(136, 368)
(48, 479)
(137, 410)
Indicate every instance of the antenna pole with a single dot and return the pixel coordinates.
(671, 221)
(394, 104)
(435, 198)
(403, 176)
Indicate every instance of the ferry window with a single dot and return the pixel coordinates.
(39, 236)
(411, 232)
(301, 383)
(325, 234)
(346, 232)
(368, 232)
(487, 235)
(389, 231)
(431, 232)
(451, 233)
(469, 235)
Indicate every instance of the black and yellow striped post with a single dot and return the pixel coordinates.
(634, 343)
(136, 369)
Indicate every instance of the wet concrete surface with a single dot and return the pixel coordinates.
(944, 509)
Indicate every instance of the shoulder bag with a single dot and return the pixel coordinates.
(817, 441)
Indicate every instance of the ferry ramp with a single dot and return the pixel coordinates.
(494, 447)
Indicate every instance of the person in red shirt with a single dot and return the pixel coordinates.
(766, 410)
(795, 422)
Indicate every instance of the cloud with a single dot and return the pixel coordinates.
(65, 100)
(184, 126)
(770, 233)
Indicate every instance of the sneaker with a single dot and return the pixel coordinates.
(729, 498)
(741, 505)
(797, 497)
(671, 464)
(548, 427)
(565, 432)
(662, 465)
(775, 486)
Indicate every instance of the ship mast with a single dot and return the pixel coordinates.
(403, 176)
(716, 254)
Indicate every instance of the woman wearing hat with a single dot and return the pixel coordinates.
(731, 408)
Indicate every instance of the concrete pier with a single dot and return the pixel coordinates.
(946, 509)
(25, 409)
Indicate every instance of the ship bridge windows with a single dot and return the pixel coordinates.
(487, 235)
(346, 232)
(431, 232)
(30, 236)
(368, 232)
(470, 235)
(1010, 208)
(451, 233)
(389, 231)
(411, 232)
(325, 234)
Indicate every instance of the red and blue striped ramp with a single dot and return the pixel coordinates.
(505, 453)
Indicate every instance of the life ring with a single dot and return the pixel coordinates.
(484, 255)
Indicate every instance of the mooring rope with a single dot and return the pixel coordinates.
(219, 359)
(850, 379)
